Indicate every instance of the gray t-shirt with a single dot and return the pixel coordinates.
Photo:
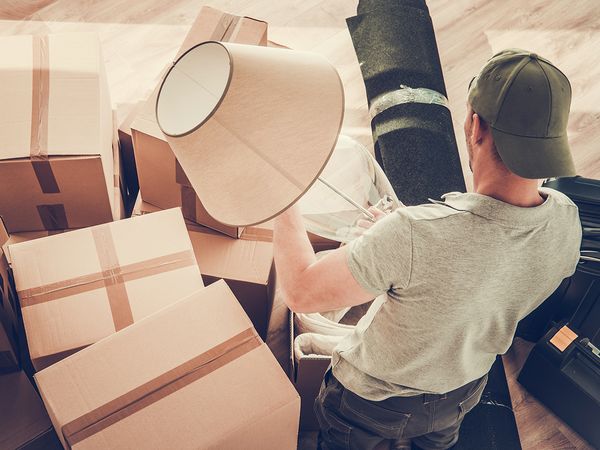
(458, 275)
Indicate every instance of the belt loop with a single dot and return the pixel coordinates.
(429, 398)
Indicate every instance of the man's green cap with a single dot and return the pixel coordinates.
(525, 99)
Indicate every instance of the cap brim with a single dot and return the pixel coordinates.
(535, 157)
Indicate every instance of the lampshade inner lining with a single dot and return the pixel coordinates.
(193, 88)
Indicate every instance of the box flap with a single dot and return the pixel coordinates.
(243, 389)
(15, 238)
(236, 259)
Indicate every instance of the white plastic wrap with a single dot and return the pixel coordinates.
(354, 171)
(317, 323)
(315, 345)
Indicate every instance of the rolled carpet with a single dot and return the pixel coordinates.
(411, 123)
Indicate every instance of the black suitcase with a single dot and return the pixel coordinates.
(565, 376)
(585, 193)
(564, 302)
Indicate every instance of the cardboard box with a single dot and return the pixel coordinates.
(141, 207)
(56, 166)
(216, 384)
(76, 288)
(24, 423)
(264, 232)
(9, 356)
(9, 342)
(246, 266)
(312, 340)
(118, 210)
(162, 182)
(306, 373)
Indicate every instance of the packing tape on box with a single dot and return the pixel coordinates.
(257, 234)
(40, 95)
(406, 95)
(231, 28)
(53, 217)
(112, 277)
(158, 388)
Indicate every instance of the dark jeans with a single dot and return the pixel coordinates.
(430, 421)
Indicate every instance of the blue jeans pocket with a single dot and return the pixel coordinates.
(366, 414)
(334, 432)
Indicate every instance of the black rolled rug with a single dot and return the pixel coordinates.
(412, 128)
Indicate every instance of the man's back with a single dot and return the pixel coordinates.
(459, 275)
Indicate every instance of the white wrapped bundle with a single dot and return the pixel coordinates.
(352, 170)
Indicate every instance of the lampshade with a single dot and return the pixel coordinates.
(252, 127)
(354, 171)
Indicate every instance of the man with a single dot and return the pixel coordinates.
(458, 274)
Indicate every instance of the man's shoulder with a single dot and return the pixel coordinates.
(436, 210)
(558, 197)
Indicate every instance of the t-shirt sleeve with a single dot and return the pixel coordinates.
(381, 258)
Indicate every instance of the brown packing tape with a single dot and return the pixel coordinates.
(219, 27)
(231, 28)
(113, 281)
(40, 94)
(257, 234)
(222, 27)
(44, 174)
(54, 217)
(73, 286)
(244, 33)
(39, 97)
(158, 388)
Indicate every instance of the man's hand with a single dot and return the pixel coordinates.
(366, 223)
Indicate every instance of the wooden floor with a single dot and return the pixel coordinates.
(140, 37)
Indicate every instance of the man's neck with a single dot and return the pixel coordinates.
(509, 188)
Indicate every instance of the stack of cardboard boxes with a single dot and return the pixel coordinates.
(56, 133)
(110, 319)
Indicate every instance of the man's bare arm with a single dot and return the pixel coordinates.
(309, 285)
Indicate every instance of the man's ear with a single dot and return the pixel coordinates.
(476, 129)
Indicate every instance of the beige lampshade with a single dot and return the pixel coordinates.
(252, 127)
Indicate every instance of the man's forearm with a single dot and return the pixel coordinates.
(293, 252)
